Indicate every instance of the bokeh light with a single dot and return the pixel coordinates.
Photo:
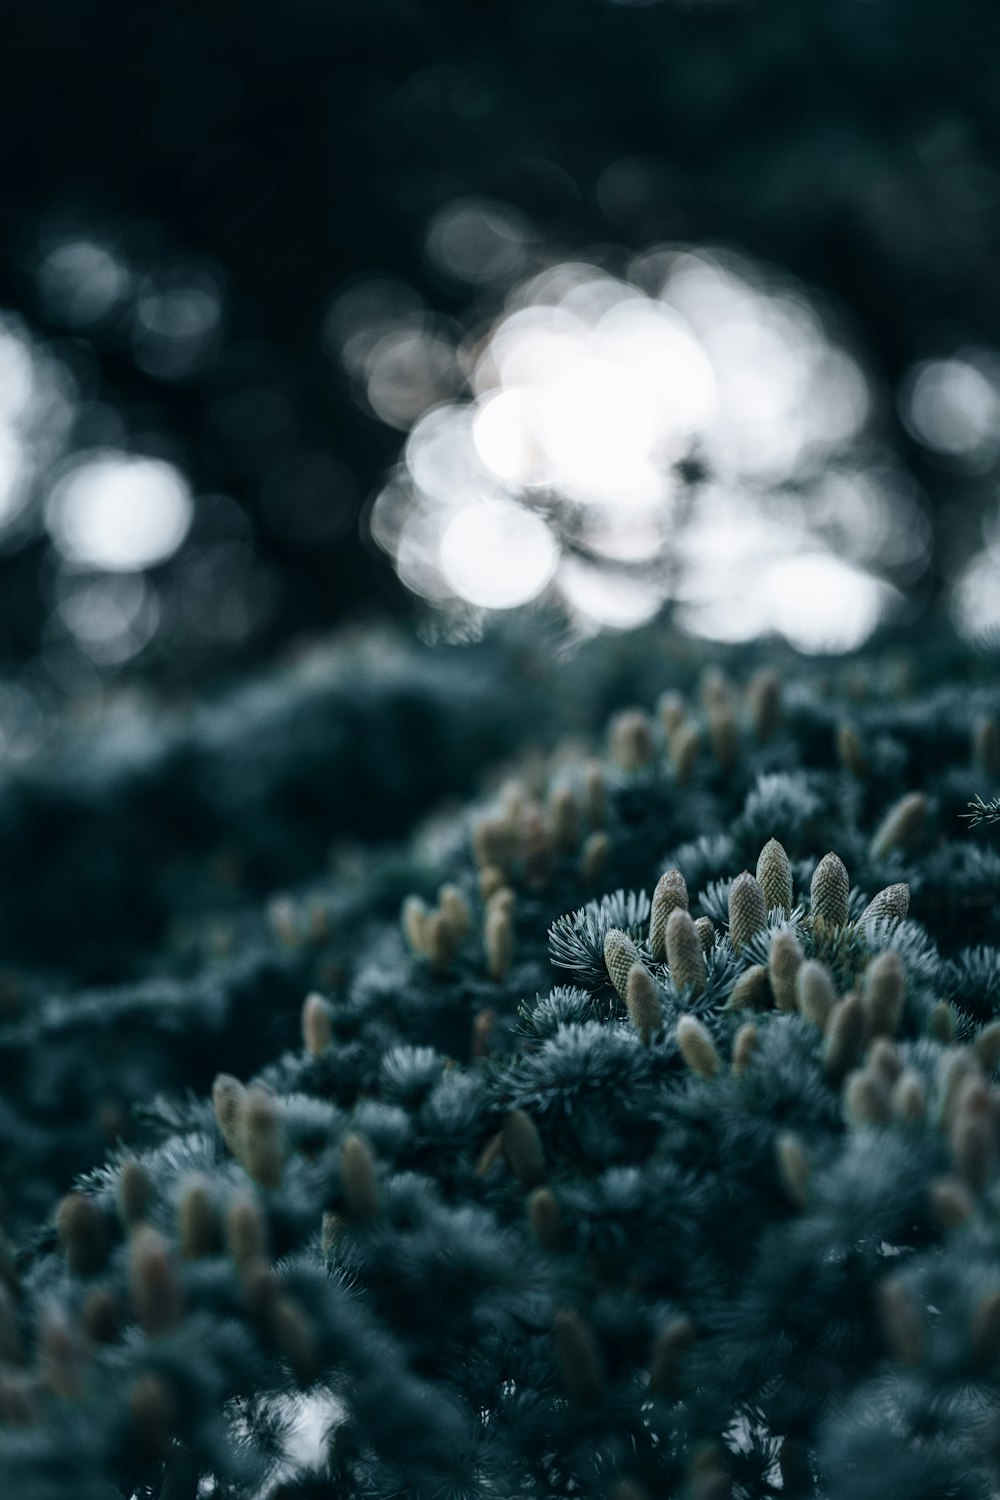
(595, 407)
(119, 512)
(953, 405)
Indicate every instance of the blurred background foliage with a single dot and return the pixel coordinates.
(317, 311)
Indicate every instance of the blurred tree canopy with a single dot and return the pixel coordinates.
(282, 149)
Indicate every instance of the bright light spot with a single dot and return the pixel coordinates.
(505, 440)
(118, 512)
(976, 599)
(111, 618)
(409, 371)
(14, 473)
(587, 396)
(601, 597)
(497, 554)
(478, 241)
(17, 376)
(178, 319)
(820, 603)
(81, 282)
(953, 406)
(442, 459)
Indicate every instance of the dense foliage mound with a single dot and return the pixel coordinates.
(642, 1138)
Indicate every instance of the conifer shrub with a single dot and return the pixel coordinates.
(639, 1137)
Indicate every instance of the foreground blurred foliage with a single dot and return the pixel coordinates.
(546, 1153)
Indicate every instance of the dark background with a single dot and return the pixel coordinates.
(284, 148)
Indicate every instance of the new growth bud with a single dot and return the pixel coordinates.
(747, 910)
(671, 894)
(902, 825)
(830, 890)
(685, 955)
(774, 876)
(697, 1048)
(642, 1001)
(620, 953)
(522, 1146)
(784, 961)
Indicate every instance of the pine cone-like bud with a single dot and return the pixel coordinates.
(441, 941)
(697, 1048)
(197, 1221)
(101, 1316)
(814, 994)
(986, 747)
(498, 941)
(456, 909)
(227, 1101)
(902, 825)
(884, 993)
(359, 1179)
(866, 1099)
(985, 1331)
(593, 856)
(685, 955)
(784, 961)
(793, 1167)
(685, 742)
(671, 894)
(522, 1146)
(973, 1137)
(317, 1029)
(578, 1356)
(951, 1203)
(752, 990)
(595, 794)
(262, 1148)
(829, 891)
(744, 1046)
(774, 876)
(545, 1218)
(620, 953)
(893, 903)
(537, 846)
(850, 750)
(909, 1098)
(941, 1023)
(714, 689)
(630, 739)
(705, 928)
(11, 1348)
(82, 1234)
(764, 702)
(565, 816)
(413, 916)
(294, 1335)
(902, 1322)
(153, 1416)
(642, 1001)
(884, 1059)
(492, 844)
(153, 1284)
(246, 1238)
(844, 1037)
(747, 910)
(135, 1193)
(987, 1047)
(722, 734)
(670, 711)
(672, 1344)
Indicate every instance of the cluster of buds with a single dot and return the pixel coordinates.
(250, 1123)
(436, 933)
